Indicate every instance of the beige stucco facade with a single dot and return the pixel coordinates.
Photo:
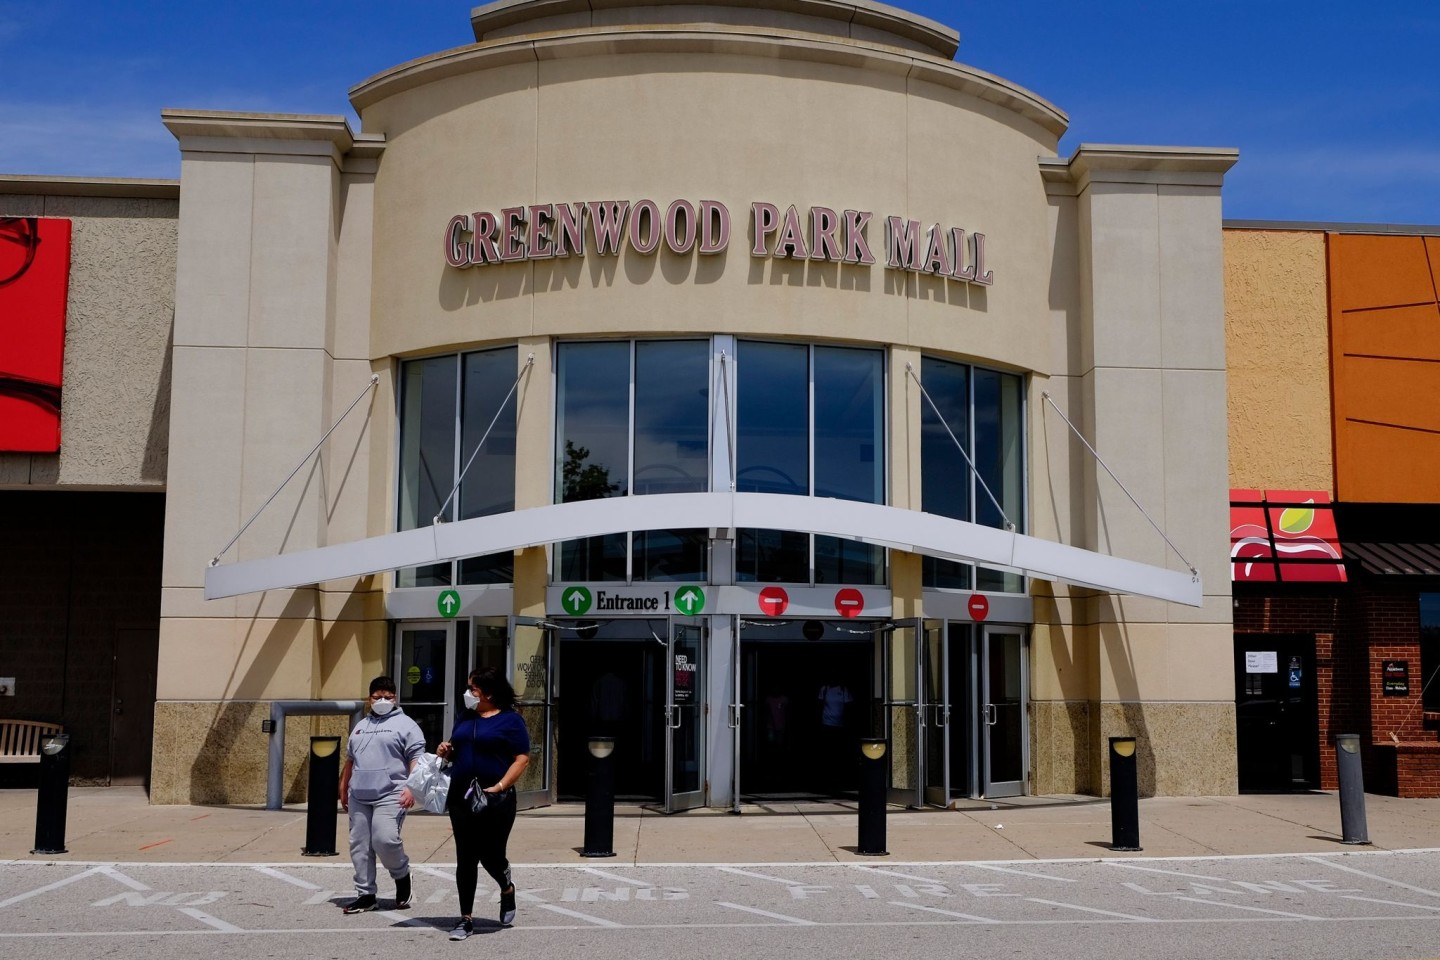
(311, 258)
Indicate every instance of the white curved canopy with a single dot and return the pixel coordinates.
(908, 530)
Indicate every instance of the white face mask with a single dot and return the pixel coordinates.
(471, 701)
(382, 706)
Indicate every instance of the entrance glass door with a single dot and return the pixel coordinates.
(902, 703)
(1004, 735)
(935, 713)
(685, 715)
(532, 652)
(428, 666)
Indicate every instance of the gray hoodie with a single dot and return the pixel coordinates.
(381, 750)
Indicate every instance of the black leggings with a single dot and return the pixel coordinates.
(480, 839)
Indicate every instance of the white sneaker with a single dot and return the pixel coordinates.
(462, 929)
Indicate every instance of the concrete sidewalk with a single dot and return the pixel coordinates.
(119, 824)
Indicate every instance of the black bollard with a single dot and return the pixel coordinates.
(320, 819)
(1124, 796)
(600, 800)
(54, 793)
(872, 798)
(1352, 789)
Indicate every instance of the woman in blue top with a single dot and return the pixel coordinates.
(491, 747)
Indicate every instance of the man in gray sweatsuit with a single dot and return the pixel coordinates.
(382, 750)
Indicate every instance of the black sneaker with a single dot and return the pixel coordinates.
(463, 929)
(507, 906)
(402, 892)
(362, 903)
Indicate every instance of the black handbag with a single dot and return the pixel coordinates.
(480, 801)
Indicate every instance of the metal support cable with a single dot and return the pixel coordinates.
(529, 362)
(729, 427)
(1101, 460)
(1009, 524)
(374, 379)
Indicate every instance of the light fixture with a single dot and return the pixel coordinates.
(52, 743)
(601, 747)
(873, 748)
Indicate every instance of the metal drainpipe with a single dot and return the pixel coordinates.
(279, 710)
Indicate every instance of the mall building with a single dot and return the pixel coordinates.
(743, 378)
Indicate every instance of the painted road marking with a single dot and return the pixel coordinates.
(760, 876)
(766, 913)
(282, 875)
(615, 876)
(1392, 903)
(1023, 873)
(1241, 906)
(119, 877)
(579, 916)
(51, 886)
(896, 873)
(949, 913)
(1362, 873)
(208, 920)
(1108, 913)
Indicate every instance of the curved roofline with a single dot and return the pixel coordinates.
(878, 524)
(857, 19)
(755, 42)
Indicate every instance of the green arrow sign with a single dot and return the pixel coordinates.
(448, 603)
(575, 600)
(690, 600)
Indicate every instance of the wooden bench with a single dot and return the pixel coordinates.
(20, 739)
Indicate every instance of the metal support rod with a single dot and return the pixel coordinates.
(1100, 460)
(1009, 524)
(374, 379)
(279, 710)
(440, 514)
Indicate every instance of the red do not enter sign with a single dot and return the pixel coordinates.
(979, 607)
(773, 601)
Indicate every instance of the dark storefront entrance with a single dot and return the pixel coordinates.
(1277, 722)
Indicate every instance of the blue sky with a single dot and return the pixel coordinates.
(1335, 106)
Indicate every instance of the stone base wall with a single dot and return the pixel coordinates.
(1184, 749)
(215, 753)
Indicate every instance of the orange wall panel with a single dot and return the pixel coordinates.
(1385, 343)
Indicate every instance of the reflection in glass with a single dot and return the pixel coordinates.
(489, 485)
(772, 453)
(427, 454)
(672, 450)
(849, 434)
(997, 458)
(944, 476)
(592, 456)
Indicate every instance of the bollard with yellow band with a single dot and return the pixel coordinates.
(320, 819)
(1124, 795)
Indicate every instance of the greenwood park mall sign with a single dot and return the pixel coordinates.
(604, 227)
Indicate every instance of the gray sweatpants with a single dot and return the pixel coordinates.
(375, 830)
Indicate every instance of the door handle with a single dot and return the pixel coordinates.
(673, 717)
(735, 709)
(990, 717)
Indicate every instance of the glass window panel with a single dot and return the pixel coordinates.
(672, 555)
(772, 556)
(848, 561)
(672, 450)
(849, 424)
(489, 485)
(427, 454)
(772, 418)
(944, 475)
(849, 454)
(592, 447)
(772, 453)
(998, 460)
(1430, 649)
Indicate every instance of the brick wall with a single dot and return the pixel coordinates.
(1355, 629)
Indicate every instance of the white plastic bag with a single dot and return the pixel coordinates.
(430, 782)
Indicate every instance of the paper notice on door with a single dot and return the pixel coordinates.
(1261, 661)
